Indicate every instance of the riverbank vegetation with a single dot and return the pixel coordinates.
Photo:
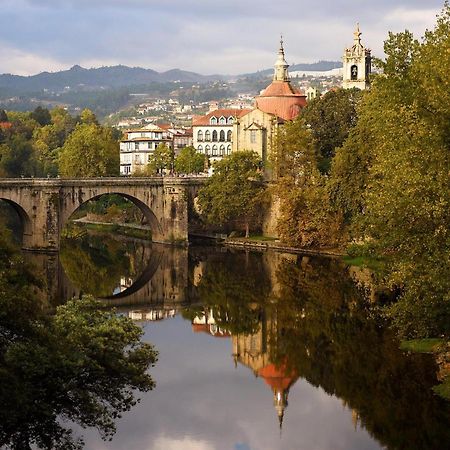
(82, 364)
(49, 143)
(371, 170)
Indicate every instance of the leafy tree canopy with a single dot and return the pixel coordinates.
(330, 119)
(235, 190)
(90, 151)
(41, 116)
(83, 365)
(189, 161)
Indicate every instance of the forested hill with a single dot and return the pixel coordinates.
(79, 78)
(103, 77)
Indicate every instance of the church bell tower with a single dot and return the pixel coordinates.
(357, 64)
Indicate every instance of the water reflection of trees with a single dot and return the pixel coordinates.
(235, 289)
(81, 365)
(95, 262)
(313, 322)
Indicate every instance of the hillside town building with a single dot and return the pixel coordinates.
(213, 133)
(357, 62)
(220, 132)
(140, 143)
(138, 146)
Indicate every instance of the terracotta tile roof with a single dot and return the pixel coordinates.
(205, 120)
(5, 125)
(279, 378)
(277, 88)
(282, 100)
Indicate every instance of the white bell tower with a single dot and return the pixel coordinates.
(357, 64)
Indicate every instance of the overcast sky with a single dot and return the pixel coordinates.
(205, 36)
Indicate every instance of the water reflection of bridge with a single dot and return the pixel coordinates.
(162, 284)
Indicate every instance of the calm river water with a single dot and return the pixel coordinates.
(257, 350)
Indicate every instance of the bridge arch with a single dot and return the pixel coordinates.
(155, 226)
(24, 220)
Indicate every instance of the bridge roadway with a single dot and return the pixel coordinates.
(45, 205)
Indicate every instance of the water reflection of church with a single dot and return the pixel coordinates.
(253, 351)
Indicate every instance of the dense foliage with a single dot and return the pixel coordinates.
(189, 161)
(305, 218)
(389, 185)
(234, 192)
(330, 118)
(48, 143)
(83, 364)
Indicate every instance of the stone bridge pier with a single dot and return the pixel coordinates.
(45, 205)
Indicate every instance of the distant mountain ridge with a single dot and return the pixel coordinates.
(320, 66)
(102, 77)
(78, 77)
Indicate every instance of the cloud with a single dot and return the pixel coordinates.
(21, 62)
(185, 443)
(203, 36)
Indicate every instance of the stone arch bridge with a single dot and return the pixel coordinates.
(45, 205)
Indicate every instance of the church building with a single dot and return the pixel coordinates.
(221, 132)
(357, 64)
(278, 103)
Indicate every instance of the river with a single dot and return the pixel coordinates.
(257, 350)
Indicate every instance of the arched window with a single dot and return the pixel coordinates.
(230, 120)
(207, 135)
(229, 134)
(200, 136)
(214, 150)
(214, 136)
(222, 121)
(200, 149)
(222, 136)
(213, 120)
(228, 149)
(222, 150)
(354, 72)
(207, 149)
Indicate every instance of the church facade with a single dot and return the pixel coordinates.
(278, 103)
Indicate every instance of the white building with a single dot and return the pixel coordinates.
(138, 146)
(357, 64)
(213, 133)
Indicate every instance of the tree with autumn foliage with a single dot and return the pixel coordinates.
(305, 218)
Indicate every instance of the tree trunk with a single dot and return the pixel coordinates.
(247, 230)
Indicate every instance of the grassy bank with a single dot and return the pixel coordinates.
(123, 230)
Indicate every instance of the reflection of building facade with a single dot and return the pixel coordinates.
(254, 352)
(357, 64)
(207, 324)
(152, 315)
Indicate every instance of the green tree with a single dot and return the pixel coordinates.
(17, 158)
(88, 117)
(189, 161)
(161, 160)
(83, 365)
(41, 116)
(330, 119)
(90, 151)
(234, 192)
(403, 131)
